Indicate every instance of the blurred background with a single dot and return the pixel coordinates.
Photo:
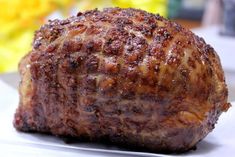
(212, 19)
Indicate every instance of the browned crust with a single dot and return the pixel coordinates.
(124, 75)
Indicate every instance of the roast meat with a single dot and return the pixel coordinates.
(124, 76)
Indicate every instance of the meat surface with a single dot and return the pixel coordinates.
(124, 76)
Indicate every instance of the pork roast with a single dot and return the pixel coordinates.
(123, 75)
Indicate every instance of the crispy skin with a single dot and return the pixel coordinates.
(123, 75)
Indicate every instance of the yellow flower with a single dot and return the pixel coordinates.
(18, 20)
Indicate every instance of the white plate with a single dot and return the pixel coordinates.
(221, 142)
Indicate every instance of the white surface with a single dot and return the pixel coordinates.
(221, 142)
(223, 45)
